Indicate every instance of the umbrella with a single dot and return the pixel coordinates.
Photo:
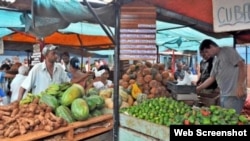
(64, 39)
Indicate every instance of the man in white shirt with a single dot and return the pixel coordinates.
(17, 81)
(45, 73)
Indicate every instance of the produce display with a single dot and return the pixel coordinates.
(167, 111)
(141, 81)
(55, 107)
(18, 119)
(147, 78)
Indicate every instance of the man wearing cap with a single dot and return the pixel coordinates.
(45, 73)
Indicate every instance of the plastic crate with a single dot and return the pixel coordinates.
(180, 89)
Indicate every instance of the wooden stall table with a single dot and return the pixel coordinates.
(94, 127)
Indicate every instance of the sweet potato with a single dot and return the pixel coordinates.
(5, 113)
(14, 112)
(21, 127)
(13, 133)
(8, 131)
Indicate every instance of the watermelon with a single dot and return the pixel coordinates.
(80, 109)
(99, 101)
(92, 91)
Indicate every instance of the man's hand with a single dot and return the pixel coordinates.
(198, 89)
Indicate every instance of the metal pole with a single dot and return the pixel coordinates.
(116, 72)
(98, 19)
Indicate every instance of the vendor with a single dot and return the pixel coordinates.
(45, 73)
(101, 78)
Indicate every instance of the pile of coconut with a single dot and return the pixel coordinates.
(147, 78)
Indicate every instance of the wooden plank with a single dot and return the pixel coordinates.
(94, 131)
(137, 21)
(151, 129)
(137, 8)
(126, 134)
(42, 134)
(145, 15)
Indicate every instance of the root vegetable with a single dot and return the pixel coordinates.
(14, 112)
(1, 132)
(35, 101)
(31, 122)
(8, 119)
(48, 128)
(6, 113)
(8, 131)
(21, 127)
(55, 118)
(32, 107)
(14, 133)
(2, 126)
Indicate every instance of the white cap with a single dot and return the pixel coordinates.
(48, 48)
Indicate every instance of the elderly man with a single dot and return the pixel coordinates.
(45, 73)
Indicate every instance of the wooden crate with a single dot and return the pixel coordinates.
(69, 130)
(152, 130)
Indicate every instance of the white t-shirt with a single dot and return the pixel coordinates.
(15, 86)
(99, 85)
(39, 78)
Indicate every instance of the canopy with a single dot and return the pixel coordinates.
(57, 38)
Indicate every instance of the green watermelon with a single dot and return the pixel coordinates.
(99, 101)
(92, 91)
(91, 103)
(80, 109)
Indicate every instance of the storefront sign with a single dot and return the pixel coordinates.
(1, 46)
(138, 32)
(231, 15)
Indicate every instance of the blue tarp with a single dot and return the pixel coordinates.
(183, 38)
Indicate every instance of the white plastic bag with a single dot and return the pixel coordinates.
(186, 80)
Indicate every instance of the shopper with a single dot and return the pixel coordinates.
(229, 72)
(77, 75)
(206, 66)
(45, 73)
(65, 60)
(179, 73)
(17, 81)
(101, 78)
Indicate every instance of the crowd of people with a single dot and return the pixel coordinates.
(222, 69)
(17, 78)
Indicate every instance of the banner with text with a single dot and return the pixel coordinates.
(231, 15)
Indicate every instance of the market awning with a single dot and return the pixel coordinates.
(63, 39)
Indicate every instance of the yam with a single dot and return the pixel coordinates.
(14, 112)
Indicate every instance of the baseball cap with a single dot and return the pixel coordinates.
(48, 48)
